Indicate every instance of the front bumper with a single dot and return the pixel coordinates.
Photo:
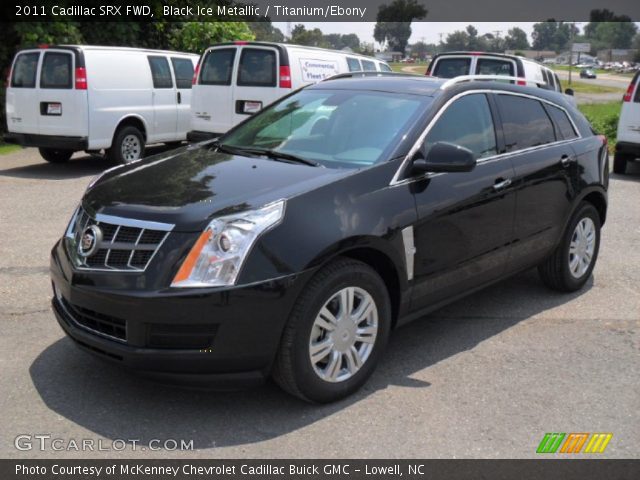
(47, 141)
(219, 337)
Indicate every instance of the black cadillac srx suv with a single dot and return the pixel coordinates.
(294, 244)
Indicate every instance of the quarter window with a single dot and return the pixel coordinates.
(217, 68)
(257, 68)
(563, 123)
(183, 70)
(56, 70)
(354, 64)
(24, 70)
(466, 122)
(368, 66)
(525, 122)
(160, 72)
(636, 79)
(385, 68)
(452, 67)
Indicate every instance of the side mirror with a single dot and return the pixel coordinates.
(569, 91)
(445, 157)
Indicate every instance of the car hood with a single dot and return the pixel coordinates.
(188, 187)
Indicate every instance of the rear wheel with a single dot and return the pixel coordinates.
(620, 163)
(127, 146)
(55, 155)
(336, 333)
(571, 264)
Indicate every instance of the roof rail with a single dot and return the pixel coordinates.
(467, 78)
(370, 73)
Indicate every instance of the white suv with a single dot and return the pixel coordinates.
(628, 144)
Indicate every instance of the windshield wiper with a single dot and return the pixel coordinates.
(282, 156)
(221, 147)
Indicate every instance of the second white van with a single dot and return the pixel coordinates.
(69, 98)
(235, 80)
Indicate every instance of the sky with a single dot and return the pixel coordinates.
(427, 31)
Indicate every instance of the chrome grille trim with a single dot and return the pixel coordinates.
(124, 253)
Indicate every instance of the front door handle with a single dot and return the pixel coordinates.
(179, 98)
(501, 184)
(565, 160)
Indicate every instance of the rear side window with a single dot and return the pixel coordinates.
(368, 66)
(257, 68)
(491, 66)
(56, 71)
(160, 72)
(558, 84)
(217, 67)
(385, 68)
(354, 64)
(183, 70)
(24, 70)
(563, 123)
(547, 79)
(525, 122)
(466, 122)
(452, 67)
(636, 79)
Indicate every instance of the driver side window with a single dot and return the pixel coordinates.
(466, 122)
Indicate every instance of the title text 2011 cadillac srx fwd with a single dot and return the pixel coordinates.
(294, 244)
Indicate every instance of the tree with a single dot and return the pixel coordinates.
(421, 50)
(615, 34)
(313, 38)
(197, 36)
(458, 40)
(393, 23)
(264, 31)
(516, 39)
(636, 46)
(552, 35)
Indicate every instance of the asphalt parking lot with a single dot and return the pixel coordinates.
(484, 377)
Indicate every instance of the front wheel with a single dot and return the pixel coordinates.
(571, 264)
(55, 155)
(336, 333)
(127, 146)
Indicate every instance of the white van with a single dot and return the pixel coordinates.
(68, 98)
(234, 80)
(628, 143)
(455, 64)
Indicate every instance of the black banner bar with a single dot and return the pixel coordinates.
(569, 469)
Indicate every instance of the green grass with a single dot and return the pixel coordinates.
(585, 87)
(604, 118)
(6, 148)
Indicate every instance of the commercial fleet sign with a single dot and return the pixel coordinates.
(316, 70)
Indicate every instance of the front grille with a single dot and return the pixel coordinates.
(104, 325)
(123, 246)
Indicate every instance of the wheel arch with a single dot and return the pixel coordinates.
(133, 120)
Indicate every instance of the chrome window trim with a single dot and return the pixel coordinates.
(416, 146)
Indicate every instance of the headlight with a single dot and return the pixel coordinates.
(219, 252)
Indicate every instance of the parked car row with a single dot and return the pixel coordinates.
(69, 98)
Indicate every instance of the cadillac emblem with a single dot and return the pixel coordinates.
(89, 241)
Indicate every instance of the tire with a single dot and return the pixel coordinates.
(54, 155)
(558, 272)
(620, 163)
(127, 146)
(294, 369)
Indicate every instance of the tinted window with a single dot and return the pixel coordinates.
(547, 79)
(160, 72)
(183, 70)
(354, 64)
(525, 122)
(257, 68)
(489, 66)
(338, 129)
(562, 122)
(368, 66)
(466, 122)
(385, 68)
(636, 79)
(217, 67)
(452, 67)
(558, 84)
(56, 70)
(24, 70)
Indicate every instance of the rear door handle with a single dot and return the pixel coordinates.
(565, 160)
(501, 184)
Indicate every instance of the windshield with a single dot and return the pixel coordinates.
(334, 128)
